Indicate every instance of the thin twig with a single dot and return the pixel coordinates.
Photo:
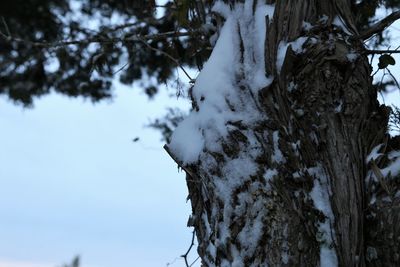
(172, 262)
(184, 256)
(380, 83)
(394, 79)
(132, 38)
(372, 59)
(198, 257)
(379, 26)
(6, 27)
(169, 56)
(375, 72)
(120, 69)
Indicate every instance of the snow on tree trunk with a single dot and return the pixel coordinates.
(275, 150)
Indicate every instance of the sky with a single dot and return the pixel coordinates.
(73, 182)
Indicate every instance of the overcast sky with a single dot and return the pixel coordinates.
(73, 182)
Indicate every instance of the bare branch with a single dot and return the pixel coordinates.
(184, 256)
(371, 52)
(379, 26)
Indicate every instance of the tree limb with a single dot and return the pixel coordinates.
(379, 26)
(371, 52)
(96, 39)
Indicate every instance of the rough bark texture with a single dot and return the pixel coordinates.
(321, 114)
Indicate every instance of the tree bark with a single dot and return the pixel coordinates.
(306, 200)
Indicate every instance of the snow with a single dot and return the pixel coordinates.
(221, 8)
(251, 233)
(187, 141)
(374, 154)
(212, 85)
(285, 246)
(296, 146)
(339, 107)
(297, 47)
(338, 22)
(307, 26)
(320, 195)
(237, 259)
(373, 199)
(324, 19)
(277, 155)
(321, 199)
(352, 56)
(393, 155)
(291, 87)
(328, 257)
(216, 90)
(393, 168)
(297, 175)
(240, 167)
(299, 112)
(280, 57)
(254, 63)
(270, 173)
(371, 253)
(236, 170)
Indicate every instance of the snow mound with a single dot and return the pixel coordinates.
(216, 91)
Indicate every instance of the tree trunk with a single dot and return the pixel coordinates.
(277, 172)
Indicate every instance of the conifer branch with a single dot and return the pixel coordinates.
(97, 39)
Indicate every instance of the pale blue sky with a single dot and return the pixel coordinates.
(73, 182)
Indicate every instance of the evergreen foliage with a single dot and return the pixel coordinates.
(77, 47)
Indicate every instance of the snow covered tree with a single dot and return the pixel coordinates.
(287, 152)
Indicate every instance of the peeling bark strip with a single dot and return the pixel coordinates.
(285, 116)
